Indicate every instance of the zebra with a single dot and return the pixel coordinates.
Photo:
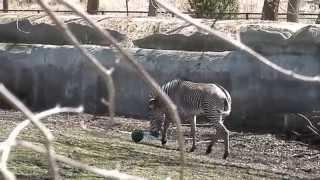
(192, 99)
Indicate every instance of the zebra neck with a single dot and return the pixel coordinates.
(171, 86)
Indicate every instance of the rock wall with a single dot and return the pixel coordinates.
(264, 38)
(23, 31)
(46, 75)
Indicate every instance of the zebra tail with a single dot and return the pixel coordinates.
(228, 100)
(227, 112)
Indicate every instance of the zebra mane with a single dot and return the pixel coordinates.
(171, 84)
(165, 87)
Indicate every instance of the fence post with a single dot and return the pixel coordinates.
(152, 8)
(92, 6)
(318, 18)
(5, 5)
(127, 7)
(247, 16)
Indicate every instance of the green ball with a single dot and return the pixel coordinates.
(137, 135)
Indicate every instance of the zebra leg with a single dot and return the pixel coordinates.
(223, 133)
(193, 133)
(213, 141)
(164, 132)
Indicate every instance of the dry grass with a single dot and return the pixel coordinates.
(104, 144)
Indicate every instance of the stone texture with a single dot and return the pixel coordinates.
(267, 39)
(273, 40)
(194, 42)
(45, 33)
(46, 75)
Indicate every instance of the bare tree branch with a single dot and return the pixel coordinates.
(310, 126)
(102, 172)
(140, 70)
(16, 131)
(8, 175)
(5, 146)
(178, 29)
(106, 73)
(53, 168)
(238, 45)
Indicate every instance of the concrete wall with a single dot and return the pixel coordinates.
(46, 75)
(46, 33)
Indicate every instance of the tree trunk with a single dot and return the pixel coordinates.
(92, 6)
(127, 7)
(5, 5)
(318, 18)
(270, 10)
(152, 8)
(293, 10)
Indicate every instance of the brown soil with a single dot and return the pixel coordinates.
(259, 155)
(265, 152)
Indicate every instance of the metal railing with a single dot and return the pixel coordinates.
(225, 15)
(68, 11)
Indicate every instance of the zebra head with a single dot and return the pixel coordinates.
(157, 117)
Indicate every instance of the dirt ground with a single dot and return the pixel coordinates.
(105, 143)
(267, 152)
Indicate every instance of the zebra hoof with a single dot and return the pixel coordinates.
(164, 142)
(192, 149)
(208, 151)
(225, 155)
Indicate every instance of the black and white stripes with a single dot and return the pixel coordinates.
(193, 99)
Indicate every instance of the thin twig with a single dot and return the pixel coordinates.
(143, 74)
(10, 141)
(310, 126)
(8, 175)
(178, 29)
(106, 73)
(53, 168)
(16, 131)
(199, 125)
(102, 172)
(238, 45)
(304, 154)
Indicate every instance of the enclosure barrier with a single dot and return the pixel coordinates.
(229, 15)
(35, 118)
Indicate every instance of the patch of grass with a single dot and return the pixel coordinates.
(111, 150)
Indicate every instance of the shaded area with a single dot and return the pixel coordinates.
(43, 76)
